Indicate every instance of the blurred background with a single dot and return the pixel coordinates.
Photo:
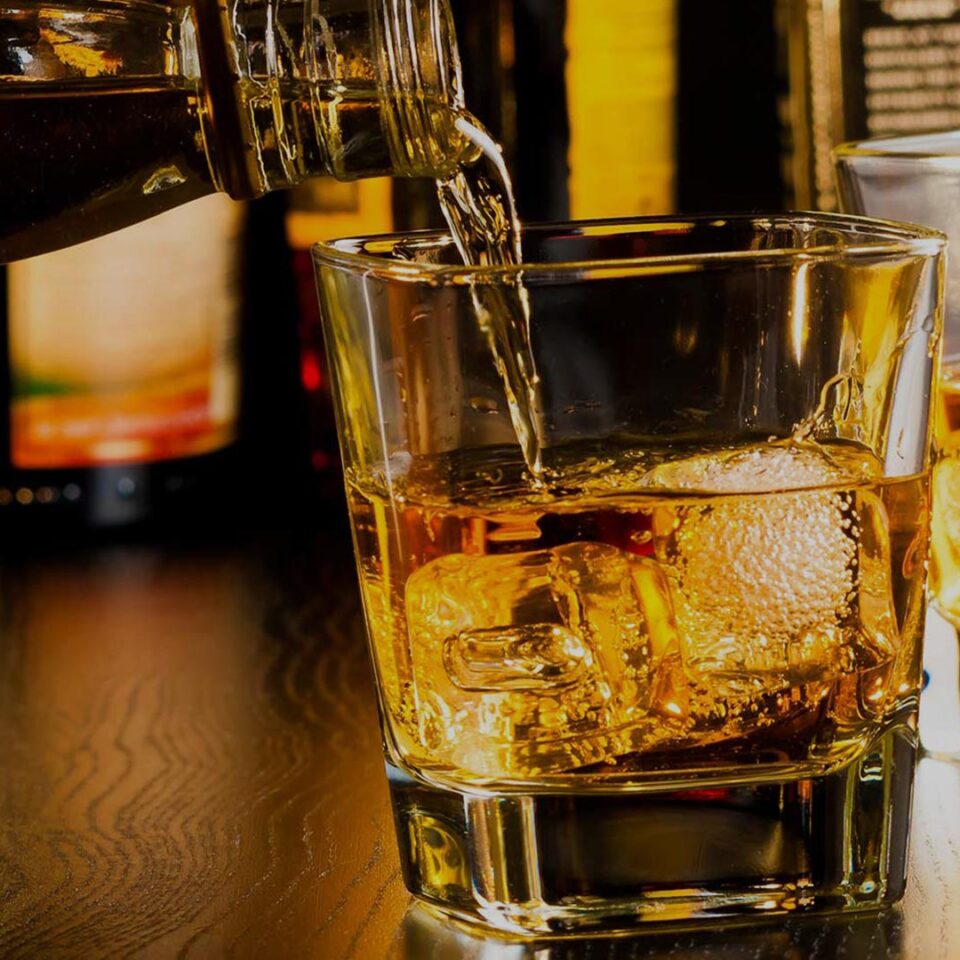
(214, 408)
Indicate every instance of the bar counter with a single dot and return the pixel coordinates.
(191, 767)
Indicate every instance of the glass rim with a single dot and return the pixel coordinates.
(867, 236)
(874, 148)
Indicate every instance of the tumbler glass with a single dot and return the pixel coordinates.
(675, 674)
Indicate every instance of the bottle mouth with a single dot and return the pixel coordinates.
(420, 85)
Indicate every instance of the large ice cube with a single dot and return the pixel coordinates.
(762, 584)
(533, 663)
(760, 468)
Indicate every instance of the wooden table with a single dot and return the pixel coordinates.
(190, 767)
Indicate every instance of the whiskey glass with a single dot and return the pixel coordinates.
(673, 676)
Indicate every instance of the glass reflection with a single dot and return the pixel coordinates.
(870, 936)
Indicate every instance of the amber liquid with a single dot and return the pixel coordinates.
(80, 162)
(945, 561)
(642, 618)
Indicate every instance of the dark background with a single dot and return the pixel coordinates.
(728, 136)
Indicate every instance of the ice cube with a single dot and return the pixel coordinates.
(762, 585)
(533, 663)
(756, 469)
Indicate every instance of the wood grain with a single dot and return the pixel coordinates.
(190, 767)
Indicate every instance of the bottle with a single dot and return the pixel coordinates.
(484, 34)
(119, 362)
(115, 111)
(633, 107)
(862, 68)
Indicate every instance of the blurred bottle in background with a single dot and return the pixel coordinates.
(622, 82)
(583, 96)
(120, 359)
(643, 107)
(628, 107)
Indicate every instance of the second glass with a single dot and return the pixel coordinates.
(917, 180)
(676, 675)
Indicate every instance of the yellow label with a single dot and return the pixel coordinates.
(622, 87)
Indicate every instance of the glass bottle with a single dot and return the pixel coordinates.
(115, 110)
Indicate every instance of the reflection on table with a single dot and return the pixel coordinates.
(866, 937)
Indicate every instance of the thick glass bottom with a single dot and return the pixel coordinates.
(566, 864)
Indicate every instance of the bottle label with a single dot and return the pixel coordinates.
(124, 349)
(622, 88)
(910, 79)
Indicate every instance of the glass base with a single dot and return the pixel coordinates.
(567, 864)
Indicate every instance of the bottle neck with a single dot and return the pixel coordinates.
(301, 88)
(420, 88)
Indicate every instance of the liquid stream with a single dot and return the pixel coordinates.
(479, 207)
